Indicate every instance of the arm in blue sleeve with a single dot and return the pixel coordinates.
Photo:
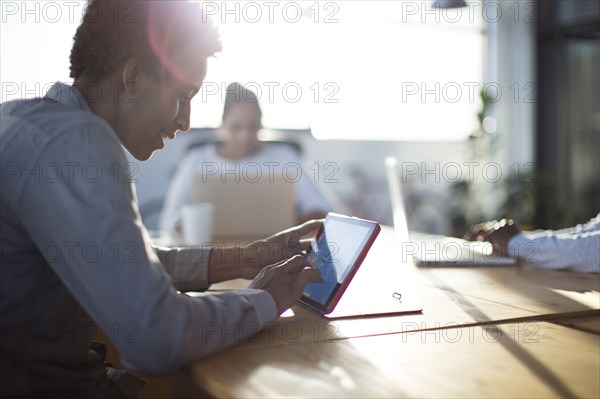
(109, 265)
(188, 267)
(179, 193)
(309, 197)
(577, 249)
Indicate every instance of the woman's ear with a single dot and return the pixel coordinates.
(131, 74)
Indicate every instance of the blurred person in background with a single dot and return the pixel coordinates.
(241, 123)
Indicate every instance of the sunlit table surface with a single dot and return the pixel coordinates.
(495, 331)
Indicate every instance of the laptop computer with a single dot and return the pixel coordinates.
(255, 208)
(431, 250)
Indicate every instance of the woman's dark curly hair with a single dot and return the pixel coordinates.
(112, 31)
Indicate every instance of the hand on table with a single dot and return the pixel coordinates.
(498, 233)
(285, 280)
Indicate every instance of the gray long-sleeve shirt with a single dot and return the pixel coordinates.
(75, 255)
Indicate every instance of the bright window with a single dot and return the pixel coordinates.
(389, 70)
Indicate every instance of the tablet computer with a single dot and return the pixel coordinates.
(338, 250)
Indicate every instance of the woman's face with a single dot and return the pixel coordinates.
(159, 107)
(242, 124)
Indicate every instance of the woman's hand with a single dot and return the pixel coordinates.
(277, 248)
(498, 233)
(285, 281)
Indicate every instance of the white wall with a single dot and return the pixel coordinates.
(511, 65)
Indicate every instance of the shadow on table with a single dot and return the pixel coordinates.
(550, 299)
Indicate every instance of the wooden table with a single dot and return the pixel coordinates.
(509, 331)
(511, 360)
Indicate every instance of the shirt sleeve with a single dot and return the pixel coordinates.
(308, 196)
(188, 267)
(179, 193)
(577, 248)
(87, 226)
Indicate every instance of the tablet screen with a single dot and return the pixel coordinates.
(334, 252)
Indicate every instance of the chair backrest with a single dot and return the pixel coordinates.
(210, 136)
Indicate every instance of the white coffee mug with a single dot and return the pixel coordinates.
(197, 223)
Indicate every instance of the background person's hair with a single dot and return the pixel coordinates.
(238, 94)
(112, 31)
